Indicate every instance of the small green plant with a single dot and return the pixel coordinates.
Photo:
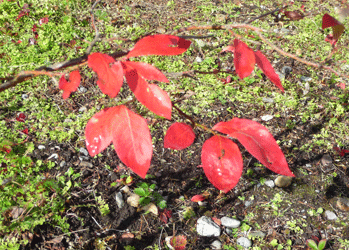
(312, 244)
(147, 194)
(102, 206)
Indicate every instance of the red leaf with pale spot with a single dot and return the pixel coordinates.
(244, 59)
(110, 73)
(72, 85)
(162, 45)
(258, 141)
(264, 64)
(129, 133)
(222, 162)
(150, 95)
(179, 136)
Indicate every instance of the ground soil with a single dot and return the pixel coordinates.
(176, 174)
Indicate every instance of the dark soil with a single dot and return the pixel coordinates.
(176, 174)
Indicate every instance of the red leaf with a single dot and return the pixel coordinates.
(165, 215)
(244, 59)
(178, 242)
(162, 45)
(43, 20)
(197, 198)
(21, 117)
(342, 85)
(150, 95)
(264, 64)
(25, 131)
(69, 87)
(147, 71)
(129, 133)
(258, 141)
(110, 74)
(337, 27)
(230, 48)
(329, 38)
(222, 162)
(179, 136)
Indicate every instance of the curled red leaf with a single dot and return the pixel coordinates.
(165, 45)
(337, 28)
(264, 64)
(197, 198)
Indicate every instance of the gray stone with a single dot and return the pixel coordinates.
(306, 79)
(248, 203)
(82, 89)
(53, 156)
(119, 200)
(198, 59)
(41, 147)
(216, 245)
(286, 70)
(62, 164)
(230, 222)
(267, 99)
(244, 242)
(267, 117)
(82, 109)
(206, 227)
(343, 204)
(83, 151)
(330, 215)
(257, 234)
(86, 164)
(282, 76)
(283, 181)
(269, 183)
(25, 96)
(326, 160)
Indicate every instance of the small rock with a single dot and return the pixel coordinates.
(202, 203)
(62, 164)
(248, 203)
(230, 222)
(82, 109)
(269, 183)
(133, 200)
(86, 164)
(119, 200)
(286, 70)
(326, 160)
(216, 245)
(41, 147)
(283, 181)
(267, 117)
(306, 79)
(53, 156)
(152, 208)
(83, 151)
(330, 215)
(206, 227)
(308, 165)
(244, 242)
(228, 231)
(198, 59)
(67, 120)
(343, 204)
(257, 234)
(82, 89)
(125, 189)
(25, 96)
(267, 99)
(200, 43)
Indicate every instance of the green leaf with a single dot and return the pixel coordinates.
(140, 191)
(322, 244)
(312, 244)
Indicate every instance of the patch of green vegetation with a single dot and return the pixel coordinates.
(148, 194)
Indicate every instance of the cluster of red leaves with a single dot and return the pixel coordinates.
(221, 157)
(245, 59)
